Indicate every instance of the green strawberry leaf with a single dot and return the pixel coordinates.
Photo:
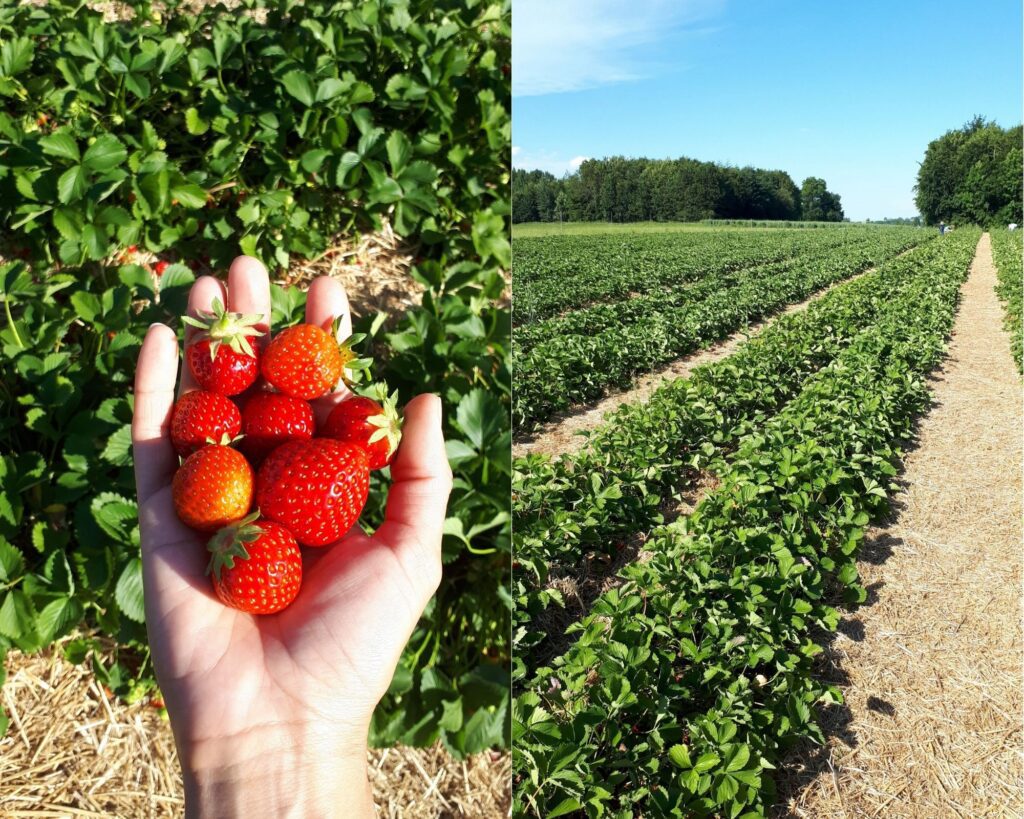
(129, 591)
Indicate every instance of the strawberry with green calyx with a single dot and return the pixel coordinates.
(201, 418)
(255, 567)
(307, 362)
(223, 359)
(270, 419)
(213, 488)
(317, 489)
(373, 425)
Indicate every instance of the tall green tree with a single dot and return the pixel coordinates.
(620, 189)
(818, 204)
(972, 174)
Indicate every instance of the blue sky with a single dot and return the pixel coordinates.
(849, 91)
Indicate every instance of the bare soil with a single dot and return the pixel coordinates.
(931, 666)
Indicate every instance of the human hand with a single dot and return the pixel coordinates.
(271, 713)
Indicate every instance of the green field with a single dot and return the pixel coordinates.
(593, 311)
(528, 229)
(677, 684)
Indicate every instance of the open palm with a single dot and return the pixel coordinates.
(281, 702)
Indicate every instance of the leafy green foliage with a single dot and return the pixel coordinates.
(636, 462)
(202, 134)
(618, 189)
(590, 350)
(973, 174)
(818, 203)
(686, 683)
(556, 273)
(1007, 252)
(212, 132)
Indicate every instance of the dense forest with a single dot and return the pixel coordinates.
(635, 190)
(972, 174)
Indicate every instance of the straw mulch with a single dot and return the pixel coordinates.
(932, 665)
(374, 268)
(72, 750)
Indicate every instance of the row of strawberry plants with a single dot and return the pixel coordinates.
(688, 683)
(644, 454)
(1007, 249)
(564, 272)
(615, 316)
(604, 318)
(585, 366)
(559, 273)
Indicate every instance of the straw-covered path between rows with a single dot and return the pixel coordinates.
(931, 665)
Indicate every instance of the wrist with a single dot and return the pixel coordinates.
(253, 777)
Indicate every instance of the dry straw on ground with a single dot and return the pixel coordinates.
(72, 750)
(374, 268)
(931, 666)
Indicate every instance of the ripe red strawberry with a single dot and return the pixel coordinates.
(201, 418)
(256, 567)
(213, 488)
(374, 426)
(160, 267)
(317, 488)
(270, 419)
(222, 359)
(306, 361)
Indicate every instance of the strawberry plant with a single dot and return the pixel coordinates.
(590, 350)
(1007, 252)
(685, 685)
(566, 271)
(196, 134)
(644, 454)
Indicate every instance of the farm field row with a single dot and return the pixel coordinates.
(526, 230)
(1007, 250)
(687, 681)
(591, 351)
(645, 454)
(672, 294)
(556, 273)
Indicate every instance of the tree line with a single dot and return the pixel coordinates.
(618, 189)
(972, 174)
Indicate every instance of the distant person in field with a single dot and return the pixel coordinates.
(942, 228)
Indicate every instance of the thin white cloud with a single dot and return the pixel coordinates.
(546, 161)
(570, 45)
(516, 150)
